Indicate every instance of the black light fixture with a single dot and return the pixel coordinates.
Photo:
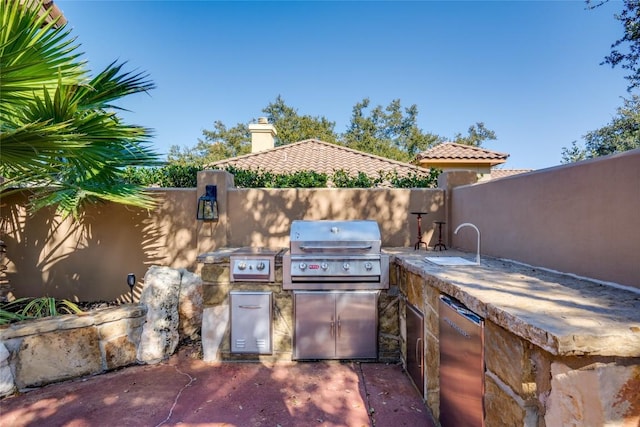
(131, 281)
(208, 204)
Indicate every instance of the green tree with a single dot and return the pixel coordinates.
(625, 52)
(219, 143)
(477, 135)
(222, 142)
(388, 132)
(60, 135)
(293, 127)
(621, 134)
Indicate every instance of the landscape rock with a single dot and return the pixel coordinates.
(190, 305)
(55, 356)
(7, 385)
(160, 296)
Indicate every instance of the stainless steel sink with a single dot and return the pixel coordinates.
(449, 260)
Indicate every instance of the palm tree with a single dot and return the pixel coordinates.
(60, 134)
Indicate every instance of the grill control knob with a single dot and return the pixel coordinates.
(260, 266)
(368, 266)
(346, 266)
(324, 265)
(303, 266)
(242, 266)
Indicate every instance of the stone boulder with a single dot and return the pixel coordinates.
(160, 296)
(190, 305)
(7, 385)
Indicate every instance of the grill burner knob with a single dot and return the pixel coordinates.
(303, 266)
(346, 266)
(242, 266)
(324, 265)
(368, 265)
(260, 266)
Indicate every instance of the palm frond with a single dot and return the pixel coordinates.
(59, 134)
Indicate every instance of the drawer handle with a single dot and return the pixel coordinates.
(250, 307)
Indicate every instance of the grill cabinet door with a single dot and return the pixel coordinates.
(461, 366)
(335, 325)
(250, 322)
(415, 347)
(356, 324)
(314, 331)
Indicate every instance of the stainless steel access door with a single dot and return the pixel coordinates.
(415, 347)
(357, 325)
(250, 322)
(461, 365)
(335, 325)
(314, 330)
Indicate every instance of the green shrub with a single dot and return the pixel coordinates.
(168, 176)
(33, 308)
(185, 176)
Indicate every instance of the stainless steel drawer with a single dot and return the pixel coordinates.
(250, 322)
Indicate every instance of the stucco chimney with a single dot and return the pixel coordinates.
(262, 134)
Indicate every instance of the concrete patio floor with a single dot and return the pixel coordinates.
(185, 391)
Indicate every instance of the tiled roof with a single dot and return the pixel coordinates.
(452, 151)
(49, 8)
(501, 173)
(318, 156)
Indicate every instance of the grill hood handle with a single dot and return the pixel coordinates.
(341, 247)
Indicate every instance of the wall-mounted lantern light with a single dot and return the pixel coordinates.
(208, 204)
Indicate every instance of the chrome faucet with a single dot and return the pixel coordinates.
(478, 231)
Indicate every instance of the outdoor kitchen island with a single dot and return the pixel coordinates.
(558, 350)
(215, 269)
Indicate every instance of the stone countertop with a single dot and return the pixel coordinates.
(222, 255)
(564, 315)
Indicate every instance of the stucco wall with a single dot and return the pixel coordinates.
(262, 217)
(90, 260)
(581, 218)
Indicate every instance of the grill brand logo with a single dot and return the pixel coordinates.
(314, 266)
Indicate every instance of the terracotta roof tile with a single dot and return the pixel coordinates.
(318, 156)
(502, 173)
(453, 151)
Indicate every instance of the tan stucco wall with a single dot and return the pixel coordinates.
(89, 261)
(581, 218)
(262, 217)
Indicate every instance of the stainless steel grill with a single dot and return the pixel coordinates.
(335, 255)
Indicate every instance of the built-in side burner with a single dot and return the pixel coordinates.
(253, 264)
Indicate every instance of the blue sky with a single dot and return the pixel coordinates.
(529, 70)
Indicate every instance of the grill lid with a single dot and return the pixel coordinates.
(327, 254)
(310, 236)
